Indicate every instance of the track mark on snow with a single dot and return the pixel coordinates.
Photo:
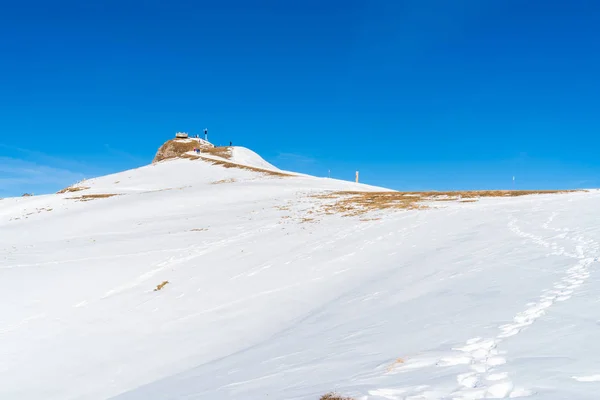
(482, 355)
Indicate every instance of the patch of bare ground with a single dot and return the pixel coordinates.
(191, 156)
(396, 363)
(221, 151)
(89, 197)
(175, 148)
(334, 396)
(230, 180)
(358, 203)
(198, 229)
(228, 164)
(72, 189)
(161, 285)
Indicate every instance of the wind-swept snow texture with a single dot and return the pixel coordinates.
(494, 299)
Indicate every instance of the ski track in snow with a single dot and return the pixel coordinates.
(484, 378)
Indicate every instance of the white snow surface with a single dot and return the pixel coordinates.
(242, 155)
(494, 299)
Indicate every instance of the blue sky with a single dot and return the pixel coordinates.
(416, 94)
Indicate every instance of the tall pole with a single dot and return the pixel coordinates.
(206, 134)
(356, 176)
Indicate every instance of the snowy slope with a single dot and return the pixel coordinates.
(246, 156)
(493, 299)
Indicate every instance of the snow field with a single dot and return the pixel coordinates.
(493, 299)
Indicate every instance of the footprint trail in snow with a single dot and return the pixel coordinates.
(484, 378)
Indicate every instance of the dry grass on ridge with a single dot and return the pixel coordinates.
(89, 197)
(358, 203)
(333, 396)
(180, 148)
(222, 151)
(160, 286)
(72, 189)
(230, 180)
(349, 203)
(228, 164)
(175, 148)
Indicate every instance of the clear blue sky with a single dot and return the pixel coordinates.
(415, 94)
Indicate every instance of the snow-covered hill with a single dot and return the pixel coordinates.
(270, 297)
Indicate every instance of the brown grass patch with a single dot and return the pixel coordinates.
(358, 203)
(396, 362)
(306, 219)
(89, 197)
(230, 180)
(228, 164)
(198, 229)
(334, 396)
(160, 286)
(72, 189)
(221, 151)
(175, 148)
(190, 156)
